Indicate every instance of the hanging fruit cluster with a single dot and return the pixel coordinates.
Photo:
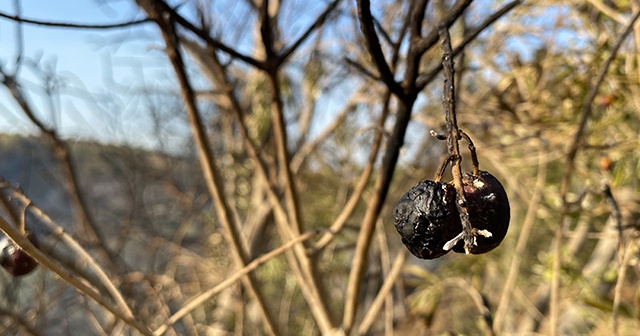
(427, 216)
(469, 214)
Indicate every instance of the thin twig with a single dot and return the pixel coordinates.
(623, 256)
(426, 78)
(569, 168)
(320, 20)
(68, 277)
(423, 44)
(63, 155)
(467, 235)
(204, 296)
(83, 256)
(18, 18)
(157, 11)
(375, 50)
(341, 220)
(373, 310)
(521, 244)
(298, 260)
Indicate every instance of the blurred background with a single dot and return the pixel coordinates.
(157, 149)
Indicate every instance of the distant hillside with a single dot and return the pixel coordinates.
(124, 187)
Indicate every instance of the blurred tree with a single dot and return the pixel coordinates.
(288, 132)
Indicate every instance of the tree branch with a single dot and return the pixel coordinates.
(157, 11)
(569, 167)
(375, 50)
(20, 19)
(424, 80)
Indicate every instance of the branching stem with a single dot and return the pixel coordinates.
(453, 136)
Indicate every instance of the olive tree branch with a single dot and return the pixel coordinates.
(157, 11)
(376, 305)
(298, 260)
(84, 258)
(201, 298)
(375, 50)
(569, 168)
(120, 311)
(468, 234)
(428, 77)
(623, 256)
(319, 22)
(294, 217)
(18, 18)
(63, 155)
(424, 43)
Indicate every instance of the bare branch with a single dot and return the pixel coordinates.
(156, 11)
(425, 79)
(375, 50)
(205, 36)
(421, 45)
(62, 153)
(569, 168)
(373, 310)
(204, 296)
(69, 277)
(17, 18)
(320, 20)
(453, 135)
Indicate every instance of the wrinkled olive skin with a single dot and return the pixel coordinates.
(488, 208)
(14, 259)
(426, 217)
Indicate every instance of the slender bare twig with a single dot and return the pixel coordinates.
(157, 11)
(374, 309)
(424, 43)
(425, 79)
(320, 20)
(63, 155)
(341, 220)
(19, 38)
(302, 266)
(623, 256)
(291, 196)
(406, 93)
(83, 256)
(18, 18)
(521, 244)
(204, 35)
(389, 161)
(569, 168)
(468, 234)
(204, 296)
(375, 50)
(68, 277)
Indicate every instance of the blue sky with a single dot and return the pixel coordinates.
(92, 61)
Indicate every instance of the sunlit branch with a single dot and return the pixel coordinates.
(17, 18)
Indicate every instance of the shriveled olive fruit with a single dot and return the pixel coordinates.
(426, 217)
(14, 259)
(488, 208)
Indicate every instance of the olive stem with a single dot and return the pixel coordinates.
(472, 150)
(453, 136)
(443, 167)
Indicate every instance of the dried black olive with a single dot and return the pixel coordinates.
(14, 259)
(426, 217)
(488, 208)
